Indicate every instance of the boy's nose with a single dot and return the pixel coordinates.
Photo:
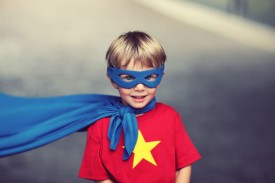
(139, 87)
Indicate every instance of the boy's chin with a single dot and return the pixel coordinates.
(138, 105)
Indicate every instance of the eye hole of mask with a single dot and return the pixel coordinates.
(151, 77)
(126, 77)
(129, 78)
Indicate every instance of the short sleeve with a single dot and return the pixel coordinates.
(186, 153)
(91, 166)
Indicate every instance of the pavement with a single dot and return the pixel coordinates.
(223, 89)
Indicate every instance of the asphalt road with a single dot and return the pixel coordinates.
(224, 90)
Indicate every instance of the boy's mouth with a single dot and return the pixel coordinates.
(138, 97)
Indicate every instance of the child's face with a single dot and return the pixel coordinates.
(138, 96)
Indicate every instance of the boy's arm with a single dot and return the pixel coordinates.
(183, 175)
(104, 181)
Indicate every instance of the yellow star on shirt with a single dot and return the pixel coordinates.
(143, 150)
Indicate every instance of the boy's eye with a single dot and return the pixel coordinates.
(126, 77)
(151, 77)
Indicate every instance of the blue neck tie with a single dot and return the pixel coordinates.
(124, 117)
(28, 123)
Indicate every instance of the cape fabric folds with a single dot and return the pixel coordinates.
(28, 123)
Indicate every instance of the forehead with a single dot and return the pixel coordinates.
(135, 65)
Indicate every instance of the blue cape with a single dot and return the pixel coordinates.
(28, 123)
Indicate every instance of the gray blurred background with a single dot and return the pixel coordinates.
(222, 83)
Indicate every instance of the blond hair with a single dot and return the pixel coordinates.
(138, 46)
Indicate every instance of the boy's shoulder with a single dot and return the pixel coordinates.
(161, 107)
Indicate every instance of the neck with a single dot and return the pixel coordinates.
(141, 111)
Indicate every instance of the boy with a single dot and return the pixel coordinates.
(163, 151)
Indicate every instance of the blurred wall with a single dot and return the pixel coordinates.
(262, 11)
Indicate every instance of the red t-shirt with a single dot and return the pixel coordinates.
(163, 147)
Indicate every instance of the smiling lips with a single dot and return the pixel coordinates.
(139, 98)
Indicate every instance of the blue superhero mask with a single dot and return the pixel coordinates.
(151, 78)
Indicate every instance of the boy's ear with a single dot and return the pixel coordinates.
(113, 83)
